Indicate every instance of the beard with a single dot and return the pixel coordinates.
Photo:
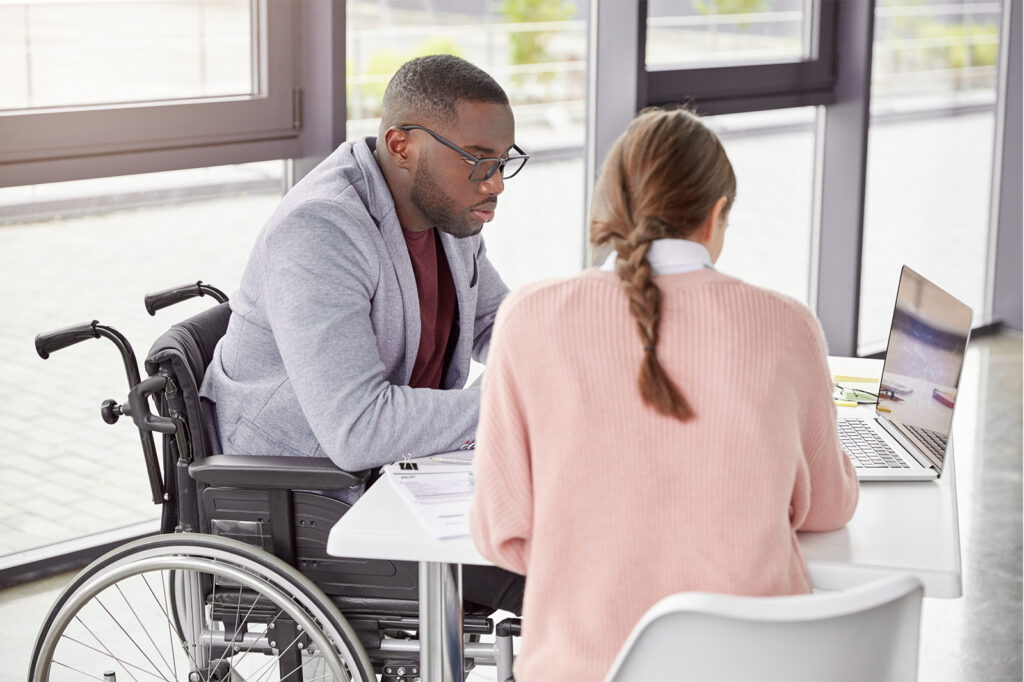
(439, 208)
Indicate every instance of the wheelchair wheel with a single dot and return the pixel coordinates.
(196, 608)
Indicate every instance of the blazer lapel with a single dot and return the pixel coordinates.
(381, 206)
(391, 231)
(462, 264)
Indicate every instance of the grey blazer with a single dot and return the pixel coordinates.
(325, 329)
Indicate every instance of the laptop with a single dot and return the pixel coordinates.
(908, 437)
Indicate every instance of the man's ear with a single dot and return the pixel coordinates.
(401, 148)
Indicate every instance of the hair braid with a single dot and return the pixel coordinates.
(660, 180)
(635, 271)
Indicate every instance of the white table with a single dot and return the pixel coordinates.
(910, 527)
(380, 525)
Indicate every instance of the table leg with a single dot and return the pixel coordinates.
(441, 622)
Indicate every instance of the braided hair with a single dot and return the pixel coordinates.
(660, 180)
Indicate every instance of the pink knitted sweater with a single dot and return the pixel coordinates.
(606, 505)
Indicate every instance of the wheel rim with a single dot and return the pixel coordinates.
(137, 588)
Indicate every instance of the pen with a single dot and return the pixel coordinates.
(846, 403)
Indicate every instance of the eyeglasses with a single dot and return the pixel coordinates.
(853, 395)
(482, 168)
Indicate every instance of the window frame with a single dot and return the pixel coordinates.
(47, 145)
(732, 89)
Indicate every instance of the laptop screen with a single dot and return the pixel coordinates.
(927, 342)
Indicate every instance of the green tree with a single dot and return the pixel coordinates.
(971, 44)
(729, 6)
(530, 47)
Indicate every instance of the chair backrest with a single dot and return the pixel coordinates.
(183, 353)
(868, 633)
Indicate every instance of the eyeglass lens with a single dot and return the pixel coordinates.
(488, 167)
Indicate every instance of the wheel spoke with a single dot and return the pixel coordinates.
(266, 632)
(170, 624)
(130, 638)
(170, 633)
(109, 652)
(183, 587)
(325, 676)
(269, 667)
(227, 650)
(80, 672)
(79, 639)
(144, 629)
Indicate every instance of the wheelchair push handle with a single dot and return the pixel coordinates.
(49, 342)
(161, 299)
(139, 391)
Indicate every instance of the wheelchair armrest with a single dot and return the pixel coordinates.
(291, 473)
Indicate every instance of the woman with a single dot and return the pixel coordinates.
(617, 467)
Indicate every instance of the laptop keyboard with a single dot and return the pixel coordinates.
(865, 448)
(933, 440)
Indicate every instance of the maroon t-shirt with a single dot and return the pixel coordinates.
(436, 292)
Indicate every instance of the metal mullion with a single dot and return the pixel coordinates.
(841, 159)
(1003, 294)
(615, 49)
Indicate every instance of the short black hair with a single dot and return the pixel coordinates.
(429, 89)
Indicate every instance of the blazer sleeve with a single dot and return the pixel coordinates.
(501, 514)
(320, 280)
(827, 498)
(491, 292)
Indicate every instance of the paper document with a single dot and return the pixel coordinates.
(439, 494)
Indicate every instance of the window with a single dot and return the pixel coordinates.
(761, 54)
(754, 69)
(66, 473)
(538, 55)
(63, 54)
(930, 154)
(728, 32)
(768, 241)
(97, 88)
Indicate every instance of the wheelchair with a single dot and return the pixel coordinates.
(238, 584)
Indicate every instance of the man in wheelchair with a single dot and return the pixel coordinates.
(369, 290)
(349, 339)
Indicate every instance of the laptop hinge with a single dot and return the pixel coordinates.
(925, 459)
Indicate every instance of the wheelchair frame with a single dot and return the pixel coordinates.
(287, 613)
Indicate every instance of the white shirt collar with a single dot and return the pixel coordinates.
(671, 257)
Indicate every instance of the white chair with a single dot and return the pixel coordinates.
(869, 633)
